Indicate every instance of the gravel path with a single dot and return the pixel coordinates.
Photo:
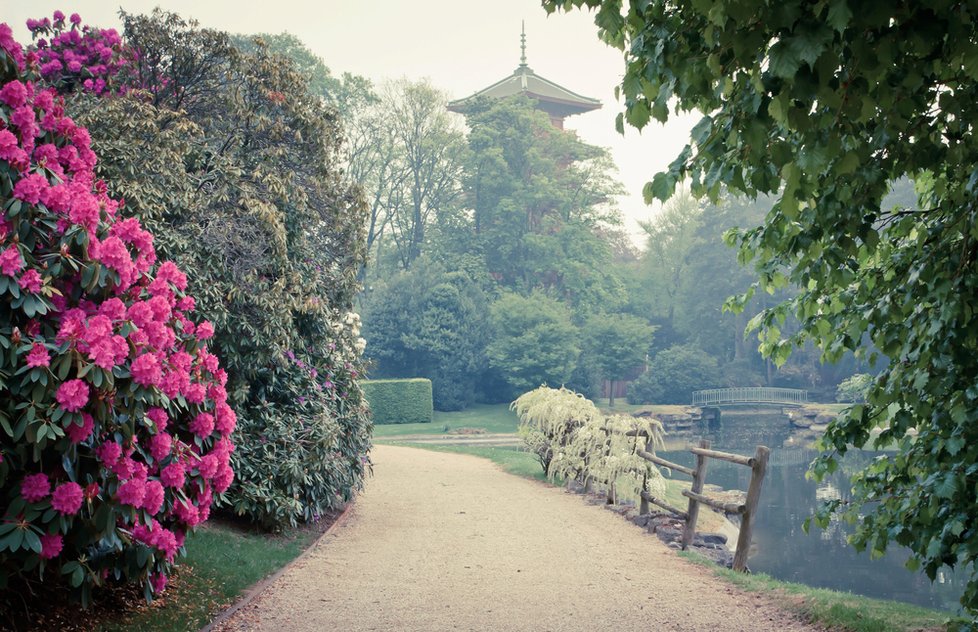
(450, 542)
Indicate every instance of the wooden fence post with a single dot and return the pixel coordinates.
(699, 476)
(753, 496)
(643, 507)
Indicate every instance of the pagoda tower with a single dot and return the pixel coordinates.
(558, 102)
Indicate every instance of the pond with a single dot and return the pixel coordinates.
(820, 558)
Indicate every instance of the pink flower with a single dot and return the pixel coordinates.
(77, 433)
(173, 475)
(84, 209)
(205, 330)
(125, 468)
(159, 446)
(186, 512)
(225, 419)
(51, 546)
(158, 582)
(223, 479)
(10, 149)
(67, 498)
(30, 281)
(14, 94)
(35, 487)
(91, 491)
(153, 499)
(158, 417)
(29, 189)
(166, 541)
(109, 453)
(202, 425)
(132, 492)
(113, 309)
(73, 395)
(168, 271)
(195, 393)
(10, 261)
(208, 465)
(146, 370)
(38, 356)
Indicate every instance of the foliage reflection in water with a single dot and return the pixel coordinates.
(821, 558)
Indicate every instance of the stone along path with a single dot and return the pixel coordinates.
(450, 542)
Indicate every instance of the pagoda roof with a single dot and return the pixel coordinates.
(551, 96)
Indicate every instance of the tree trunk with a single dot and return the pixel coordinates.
(611, 393)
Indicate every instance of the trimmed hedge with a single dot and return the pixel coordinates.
(399, 401)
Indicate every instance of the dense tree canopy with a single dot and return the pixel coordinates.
(824, 105)
(431, 323)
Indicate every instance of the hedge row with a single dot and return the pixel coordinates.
(399, 401)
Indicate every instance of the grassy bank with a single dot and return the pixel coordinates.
(836, 610)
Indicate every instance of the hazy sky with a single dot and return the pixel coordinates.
(461, 45)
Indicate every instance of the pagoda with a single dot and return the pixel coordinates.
(558, 102)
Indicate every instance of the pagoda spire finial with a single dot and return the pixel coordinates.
(522, 43)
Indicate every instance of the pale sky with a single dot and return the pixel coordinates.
(460, 45)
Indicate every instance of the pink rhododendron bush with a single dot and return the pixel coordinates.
(114, 422)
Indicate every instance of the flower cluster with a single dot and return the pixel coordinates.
(121, 426)
(74, 55)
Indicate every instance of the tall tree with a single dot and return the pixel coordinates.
(430, 149)
(616, 345)
(542, 205)
(824, 104)
(671, 246)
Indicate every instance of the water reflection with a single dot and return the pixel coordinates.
(822, 557)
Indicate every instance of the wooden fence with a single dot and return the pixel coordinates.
(747, 510)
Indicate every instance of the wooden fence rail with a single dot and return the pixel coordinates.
(747, 510)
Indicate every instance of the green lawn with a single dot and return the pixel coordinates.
(836, 610)
(221, 562)
(493, 418)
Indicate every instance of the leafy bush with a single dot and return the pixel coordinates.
(233, 166)
(399, 401)
(673, 375)
(114, 422)
(534, 341)
(854, 388)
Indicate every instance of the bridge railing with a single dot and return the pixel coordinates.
(749, 395)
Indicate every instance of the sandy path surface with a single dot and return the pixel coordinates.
(450, 542)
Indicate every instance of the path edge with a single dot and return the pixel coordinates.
(256, 589)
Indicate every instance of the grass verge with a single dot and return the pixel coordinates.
(834, 610)
(222, 561)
